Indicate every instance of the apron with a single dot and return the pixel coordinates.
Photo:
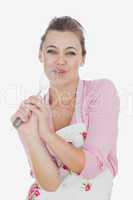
(73, 186)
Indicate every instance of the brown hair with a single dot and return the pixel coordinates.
(66, 23)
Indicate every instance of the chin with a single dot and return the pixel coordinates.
(58, 81)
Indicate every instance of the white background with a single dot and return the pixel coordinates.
(109, 43)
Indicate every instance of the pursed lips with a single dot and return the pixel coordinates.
(59, 70)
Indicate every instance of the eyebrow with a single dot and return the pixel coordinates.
(70, 47)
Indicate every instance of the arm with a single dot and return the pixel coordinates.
(45, 170)
(102, 111)
(71, 156)
(99, 149)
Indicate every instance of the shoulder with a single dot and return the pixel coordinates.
(101, 93)
(97, 86)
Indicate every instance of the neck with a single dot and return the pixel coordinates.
(63, 94)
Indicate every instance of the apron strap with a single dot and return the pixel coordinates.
(80, 92)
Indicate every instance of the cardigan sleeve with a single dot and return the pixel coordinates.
(102, 109)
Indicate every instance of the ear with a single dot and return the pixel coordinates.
(41, 56)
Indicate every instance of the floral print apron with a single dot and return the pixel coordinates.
(73, 186)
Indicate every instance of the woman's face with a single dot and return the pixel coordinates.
(61, 55)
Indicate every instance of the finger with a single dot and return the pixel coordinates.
(15, 116)
(26, 110)
(20, 115)
(35, 101)
(34, 109)
(25, 113)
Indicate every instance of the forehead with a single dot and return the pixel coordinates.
(62, 39)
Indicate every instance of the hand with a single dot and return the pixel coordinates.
(29, 128)
(42, 111)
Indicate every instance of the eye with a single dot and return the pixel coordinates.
(51, 51)
(71, 53)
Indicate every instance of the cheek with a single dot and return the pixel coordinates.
(74, 64)
(51, 59)
(48, 61)
(48, 65)
(74, 60)
(47, 70)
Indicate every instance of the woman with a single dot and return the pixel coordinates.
(70, 135)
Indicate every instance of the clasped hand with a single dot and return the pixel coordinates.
(36, 117)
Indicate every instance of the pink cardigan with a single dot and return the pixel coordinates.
(98, 106)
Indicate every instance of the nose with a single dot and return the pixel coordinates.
(61, 60)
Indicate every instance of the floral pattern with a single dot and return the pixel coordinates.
(85, 185)
(34, 192)
(84, 134)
